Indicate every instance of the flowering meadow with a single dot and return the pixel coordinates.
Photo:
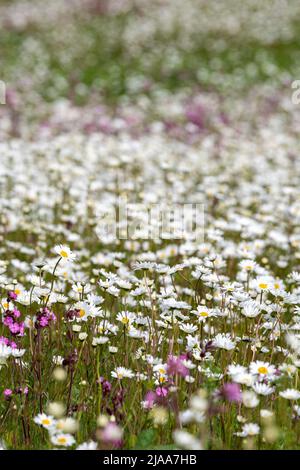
(119, 331)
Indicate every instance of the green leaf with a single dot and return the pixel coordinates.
(146, 439)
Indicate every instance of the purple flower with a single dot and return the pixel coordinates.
(44, 318)
(21, 390)
(195, 114)
(71, 314)
(106, 385)
(149, 400)
(161, 391)
(16, 313)
(8, 342)
(118, 399)
(176, 366)
(112, 434)
(4, 340)
(7, 393)
(231, 392)
(44, 321)
(12, 296)
(14, 328)
(8, 321)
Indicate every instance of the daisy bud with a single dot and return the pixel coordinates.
(241, 419)
(112, 434)
(68, 425)
(198, 403)
(185, 440)
(250, 399)
(82, 336)
(266, 415)
(271, 433)
(159, 415)
(102, 421)
(60, 374)
(76, 328)
(56, 409)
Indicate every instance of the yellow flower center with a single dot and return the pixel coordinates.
(262, 370)
(63, 254)
(17, 292)
(62, 440)
(125, 320)
(46, 422)
(203, 314)
(276, 285)
(263, 285)
(81, 313)
(6, 305)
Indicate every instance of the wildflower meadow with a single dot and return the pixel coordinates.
(149, 225)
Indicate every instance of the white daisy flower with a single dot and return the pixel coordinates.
(224, 341)
(63, 440)
(46, 421)
(263, 389)
(64, 252)
(290, 394)
(262, 369)
(122, 373)
(90, 445)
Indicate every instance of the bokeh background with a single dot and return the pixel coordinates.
(117, 52)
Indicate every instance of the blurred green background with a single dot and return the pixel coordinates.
(118, 48)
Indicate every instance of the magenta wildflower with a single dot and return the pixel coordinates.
(4, 340)
(12, 296)
(231, 392)
(176, 366)
(8, 320)
(149, 400)
(17, 313)
(14, 328)
(73, 313)
(195, 114)
(106, 385)
(118, 399)
(11, 321)
(161, 391)
(44, 318)
(7, 393)
(8, 342)
(112, 435)
(22, 391)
